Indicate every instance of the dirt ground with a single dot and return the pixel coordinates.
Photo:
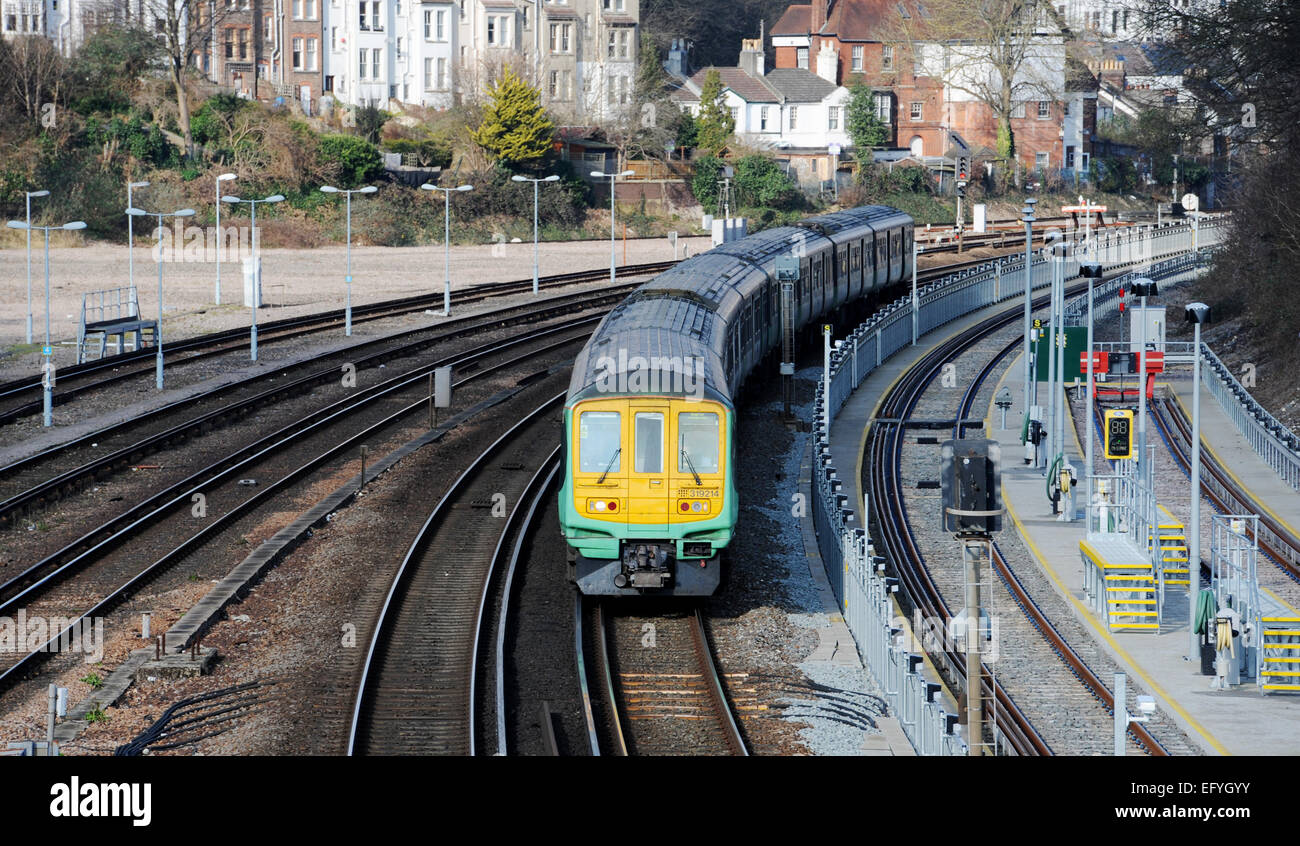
(294, 282)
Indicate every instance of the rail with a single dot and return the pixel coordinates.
(860, 589)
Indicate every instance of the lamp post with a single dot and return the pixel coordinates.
(1143, 287)
(130, 230)
(1197, 313)
(133, 212)
(48, 351)
(536, 197)
(446, 240)
(1092, 270)
(30, 194)
(225, 177)
(330, 189)
(1028, 219)
(612, 177)
(257, 267)
(915, 302)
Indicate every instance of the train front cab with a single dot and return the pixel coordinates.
(649, 498)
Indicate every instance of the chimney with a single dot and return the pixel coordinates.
(828, 63)
(752, 60)
(818, 20)
(676, 64)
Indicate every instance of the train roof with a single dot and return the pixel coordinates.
(875, 216)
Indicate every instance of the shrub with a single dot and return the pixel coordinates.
(355, 160)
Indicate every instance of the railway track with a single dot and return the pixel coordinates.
(922, 589)
(32, 483)
(651, 686)
(1222, 490)
(420, 683)
(109, 564)
(20, 398)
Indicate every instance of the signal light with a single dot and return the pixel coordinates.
(1119, 434)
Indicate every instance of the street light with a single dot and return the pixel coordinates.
(612, 177)
(133, 213)
(48, 351)
(1143, 287)
(1028, 219)
(225, 177)
(257, 267)
(1197, 314)
(130, 230)
(30, 194)
(330, 189)
(446, 240)
(1092, 271)
(536, 195)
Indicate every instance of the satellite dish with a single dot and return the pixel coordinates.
(1191, 202)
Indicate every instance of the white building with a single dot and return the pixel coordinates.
(581, 54)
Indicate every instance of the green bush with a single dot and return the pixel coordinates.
(356, 159)
(761, 182)
(427, 152)
(144, 142)
(704, 182)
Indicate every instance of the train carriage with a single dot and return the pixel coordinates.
(648, 501)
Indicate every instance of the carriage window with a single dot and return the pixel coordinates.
(649, 456)
(697, 442)
(600, 435)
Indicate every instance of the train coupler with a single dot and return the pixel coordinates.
(645, 566)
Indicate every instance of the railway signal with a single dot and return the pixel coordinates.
(1119, 434)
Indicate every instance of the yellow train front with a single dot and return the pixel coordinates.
(649, 500)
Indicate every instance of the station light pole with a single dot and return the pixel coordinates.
(446, 240)
(225, 177)
(1092, 271)
(130, 230)
(1028, 219)
(30, 194)
(330, 189)
(48, 350)
(613, 178)
(257, 267)
(1143, 287)
(1197, 314)
(158, 342)
(536, 199)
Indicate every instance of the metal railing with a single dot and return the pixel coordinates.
(1277, 445)
(862, 592)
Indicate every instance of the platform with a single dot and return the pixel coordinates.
(1239, 721)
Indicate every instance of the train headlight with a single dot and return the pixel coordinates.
(602, 506)
(693, 506)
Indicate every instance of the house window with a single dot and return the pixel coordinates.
(230, 43)
(833, 118)
(614, 5)
(243, 43)
(311, 54)
(297, 54)
(334, 38)
(561, 38)
(374, 63)
(1044, 110)
(620, 41)
(297, 10)
(440, 31)
(374, 16)
(443, 82)
(428, 74)
(428, 24)
(361, 63)
(887, 58)
(364, 25)
(801, 55)
(883, 107)
(1040, 161)
(399, 47)
(498, 33)
(794, 118)
(762, 119)
(735, 115)
(267, 28)
(1018, 110)
(916, 111)
(858, 50)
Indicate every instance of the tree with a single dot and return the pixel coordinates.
(183, 28)
(863, 124)
(516, 131)
(34, 73)
(370, 122)
(999, 52)
(105, 72)
(715, 124)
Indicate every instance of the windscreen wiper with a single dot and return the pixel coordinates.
(608, 466)
(690, 464)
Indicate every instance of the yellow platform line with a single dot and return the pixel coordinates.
(1086, 614)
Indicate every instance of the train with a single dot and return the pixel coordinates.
(649, 499)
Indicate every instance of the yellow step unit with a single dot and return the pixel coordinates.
(1125, 583)
(1279, 654)
(1174, 553)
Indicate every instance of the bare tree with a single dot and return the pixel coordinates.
(999, 52)
(35, 71)
(184, 28)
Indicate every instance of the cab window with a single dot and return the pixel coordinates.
(649, 442)
(697, 442)
(600, 434)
